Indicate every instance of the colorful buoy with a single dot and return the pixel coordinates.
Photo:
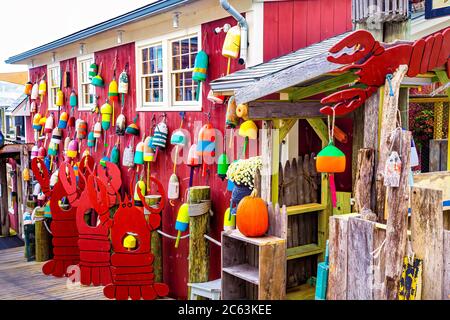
(182, 222)
(63, 118)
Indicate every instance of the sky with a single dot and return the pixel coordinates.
(25, 25)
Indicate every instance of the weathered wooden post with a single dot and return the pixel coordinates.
(4, 215)
(198, 245)
(155, 243)
(363, 182)
(42, 237)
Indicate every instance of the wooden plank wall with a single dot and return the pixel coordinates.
(294, 24)
(175, 260)
(446, 285)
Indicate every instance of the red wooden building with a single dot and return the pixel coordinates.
(159, 62)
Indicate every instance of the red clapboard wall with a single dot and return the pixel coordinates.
(293, 24)
(175, 261)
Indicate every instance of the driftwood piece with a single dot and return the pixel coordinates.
(363, 182)
(360, 259)
(397, 224)
(300, 182)
(427, 239)
(388, 125)
(337, 276)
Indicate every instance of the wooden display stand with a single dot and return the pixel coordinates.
(253, 268)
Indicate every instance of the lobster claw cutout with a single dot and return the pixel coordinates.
(85, 169)
(132, 270)
(67, 178)
(110, 176)
(42, 175)
(98, 197)
(372, 61)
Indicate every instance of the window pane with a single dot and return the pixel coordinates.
(192, 60)
(188, 96)
(185, 62)
(184, 46)
(194, 45)
(145, 54)
(175, 48)
(176, 63)
(145, 68)
(160, 59)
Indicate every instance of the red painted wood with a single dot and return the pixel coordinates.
(304, 21)
(285, 27)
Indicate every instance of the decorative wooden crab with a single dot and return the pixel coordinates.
(373, 62)
(94, 244)
(132, 270)
(63, 226)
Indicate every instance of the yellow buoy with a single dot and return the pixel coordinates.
(130, 241)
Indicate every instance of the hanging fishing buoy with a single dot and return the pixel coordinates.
(139, 154)
(173, 191)
(97, 133)
(103, 161)
(73, 100)
(128, 157)
(91, 140)
(193, 162)
(242, 111)
(81, 128)
(59, 98)
(115, 154)
(121, 125)
(97, 80)
(42, 89)
(63, 118)
(182, 223)
(106, 111)
(159, 139)
(35, 92)
(200, 71)
(248, 130)
(41, 152)
(231, 119)
(133, 129)
(231, 45)
(137, 200)
(229, 220)
(123, 86)
(93, 70)
(72, 149)
(113, 95)
(56, 136)
(222, 166)
(37, 122)
(28, 88)
(33, 106)
(66, 144)
(52, 152)
(49, 125)
(206, 145)
(34, 152)
(149, 153)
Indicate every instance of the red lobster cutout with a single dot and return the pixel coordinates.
(63, 226)
(94, 244)
(376, 62)
(132, 271)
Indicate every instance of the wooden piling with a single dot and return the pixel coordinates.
(156, 244)
(198, 245)
(42, 237)
(363, 180)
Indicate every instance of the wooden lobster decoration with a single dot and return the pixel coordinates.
(132, 270)
(63, 226)
(94, 244)
(373, 62)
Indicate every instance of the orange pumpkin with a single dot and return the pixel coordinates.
(252, 216)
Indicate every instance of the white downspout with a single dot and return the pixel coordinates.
(244, 29)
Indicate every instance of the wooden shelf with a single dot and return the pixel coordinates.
(245, 272)
(303, 292)
(260, 241)
(305, 208)
(303, 251)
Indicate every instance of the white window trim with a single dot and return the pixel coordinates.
(49, 90)
(167, 105)
(81, 105)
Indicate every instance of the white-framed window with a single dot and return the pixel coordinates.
(53, 84)
(86, 91)
(164, 67)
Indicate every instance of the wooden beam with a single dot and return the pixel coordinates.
(418, 99)
(427, 239)
(289, 77)
(284, 110)
(321, 129)
(322, 86)
(14, 148)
